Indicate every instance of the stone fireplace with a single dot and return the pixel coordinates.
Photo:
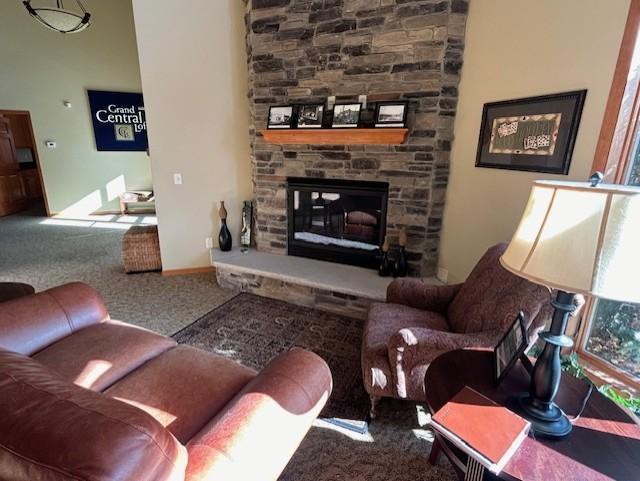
(302, 51)
(336, 220)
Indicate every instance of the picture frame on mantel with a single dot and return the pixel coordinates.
(280, 117)
(310, 116)
(346, 115)
(535, 134)
(391, 115)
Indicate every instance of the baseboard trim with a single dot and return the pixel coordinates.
(186, 272)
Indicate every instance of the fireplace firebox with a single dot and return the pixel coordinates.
(337, 220)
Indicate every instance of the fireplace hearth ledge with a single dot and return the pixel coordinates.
(344, 289)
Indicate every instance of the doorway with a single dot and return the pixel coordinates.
(21, 185)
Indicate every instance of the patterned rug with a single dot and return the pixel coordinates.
(251, 330)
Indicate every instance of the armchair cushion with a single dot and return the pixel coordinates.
(385, 319)
(420, 295)
(492, 296)
(412, 349)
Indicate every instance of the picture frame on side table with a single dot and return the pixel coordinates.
(280, 117)
(346, 116)
(310, 116)
(391, 114)
(510, 348)
(535, 134)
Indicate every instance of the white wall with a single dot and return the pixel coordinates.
(520, 48)
(39, 69)
(193, 65)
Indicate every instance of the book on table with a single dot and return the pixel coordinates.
(486, 431)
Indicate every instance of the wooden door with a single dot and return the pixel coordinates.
(19, 187)
(31, 184)
(12, 192)
(8, 160)
(17, 192)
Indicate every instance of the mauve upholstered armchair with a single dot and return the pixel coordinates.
(421, 321)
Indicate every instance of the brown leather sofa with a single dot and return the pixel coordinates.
(83, 397)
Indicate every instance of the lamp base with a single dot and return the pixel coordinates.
(549, 423)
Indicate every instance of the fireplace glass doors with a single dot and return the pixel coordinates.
(337, 220)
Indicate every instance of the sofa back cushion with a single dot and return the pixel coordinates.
(492, 296)
(31, 323)
(52, 430)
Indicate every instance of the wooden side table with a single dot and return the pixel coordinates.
(604, 444)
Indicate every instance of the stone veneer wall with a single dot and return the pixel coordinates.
(301, 51)
(323, 299)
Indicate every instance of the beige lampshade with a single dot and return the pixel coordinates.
(580, 239)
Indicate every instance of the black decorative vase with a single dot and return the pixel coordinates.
(402, 267)
(386, 266)
(224, 238)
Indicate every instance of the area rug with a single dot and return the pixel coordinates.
(252, 330)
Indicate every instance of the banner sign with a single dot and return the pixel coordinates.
(119, 121)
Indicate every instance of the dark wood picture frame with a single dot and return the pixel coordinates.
(381, 124)
(298, 115)
(554, 118)
(349, 126)
(514, 349)
(292, 118)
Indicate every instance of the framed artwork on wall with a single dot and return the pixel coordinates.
(119, 121)
(535, 134)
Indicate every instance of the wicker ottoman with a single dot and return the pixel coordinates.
(141, 249)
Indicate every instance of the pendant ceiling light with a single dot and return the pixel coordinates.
(57, 18)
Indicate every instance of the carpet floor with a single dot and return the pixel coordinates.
(251, 330)
(47, 252)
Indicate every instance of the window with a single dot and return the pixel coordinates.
(614, 331)
(610, 339)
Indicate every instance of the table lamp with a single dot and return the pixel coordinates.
(577, 238)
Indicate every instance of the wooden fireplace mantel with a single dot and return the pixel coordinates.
(393, 136)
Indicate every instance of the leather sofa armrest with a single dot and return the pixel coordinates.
(416, 293)
(29, 324)
(258, 432)
(414, 346)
